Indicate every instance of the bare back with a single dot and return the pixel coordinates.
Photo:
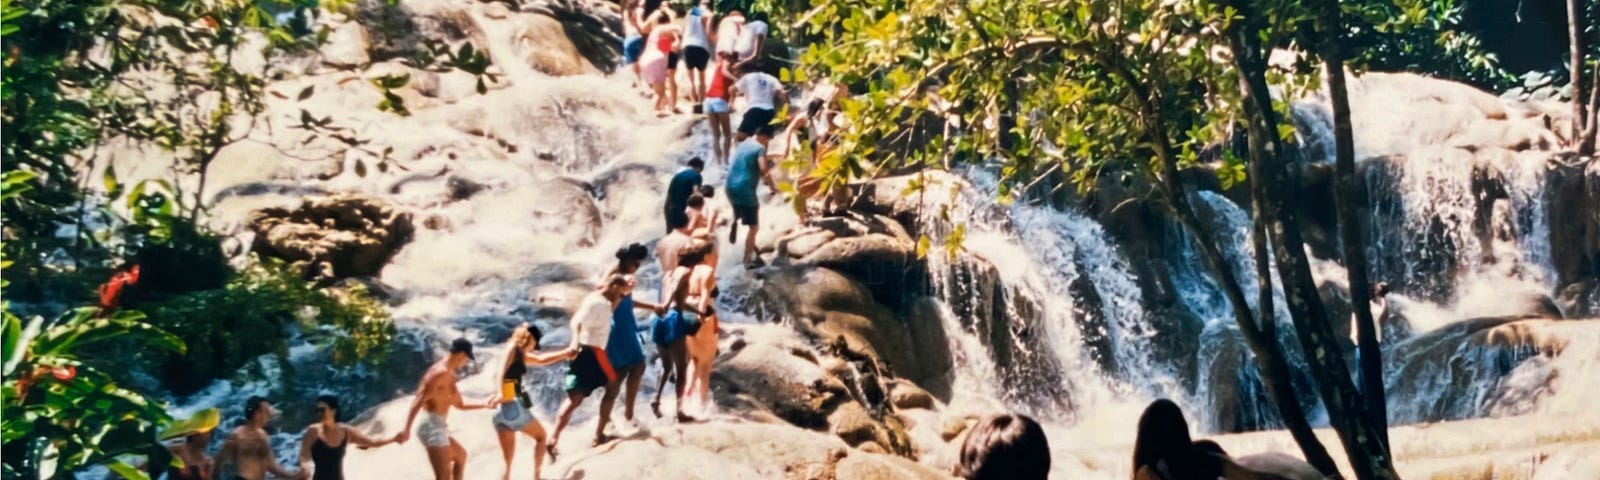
(250, 451)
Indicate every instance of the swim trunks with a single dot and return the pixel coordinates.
(590, 371)
(434, 431)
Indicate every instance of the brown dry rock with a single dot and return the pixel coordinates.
(334, 237)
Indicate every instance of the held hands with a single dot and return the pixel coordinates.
(572, 353)
(402, 436)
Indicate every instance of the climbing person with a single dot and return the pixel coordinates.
(671, 331)
(622, 346)
(249, 449)
(702, 344)
(700, 217)
(653, 66)
(728, 30)
(674, 56)
(591, 369)
(718, 110)
(436, 394)
(752, 41)
(749, 166)
(323, 444)
(697, 51)
(515, 413)
(761, 93)
(683, 184)
(815, 127)
(632, 38)
(1008, 447)
(193, 463)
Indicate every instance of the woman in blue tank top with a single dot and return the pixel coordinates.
(623, 347)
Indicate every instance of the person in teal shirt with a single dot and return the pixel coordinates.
(749, 165)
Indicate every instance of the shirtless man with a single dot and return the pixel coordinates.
(437, 393)
(249, 449)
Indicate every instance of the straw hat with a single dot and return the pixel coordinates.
(202, 421)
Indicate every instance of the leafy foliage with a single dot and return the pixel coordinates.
(252, 316)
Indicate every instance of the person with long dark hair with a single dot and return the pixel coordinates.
(1005, 447)
(323, 445)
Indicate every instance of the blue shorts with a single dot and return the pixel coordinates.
(632, 48)
(717, 105)
(674, 326)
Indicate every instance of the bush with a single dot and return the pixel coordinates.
(254, 315)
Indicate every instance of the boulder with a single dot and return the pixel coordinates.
(1574, 221)
(1476, 357)
(347, 46)
(332, 237)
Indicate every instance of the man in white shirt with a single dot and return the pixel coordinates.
(752, 39)
(729, 29)
(761, 96)
(591, 328)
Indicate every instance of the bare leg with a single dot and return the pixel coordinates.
(458, 470)
(750, 243)
(672, 89)
(661, 101)
(535, 430)
(574, 399)
(635, 376)
(508, 446)
(661, 382)
(680, 358)
(607, 402)
(439, 458)
(727, 137)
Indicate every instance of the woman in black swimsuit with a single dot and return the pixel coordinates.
(325, 441)
(514, 415)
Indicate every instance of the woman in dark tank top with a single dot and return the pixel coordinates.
(515, 415)
(324, 442)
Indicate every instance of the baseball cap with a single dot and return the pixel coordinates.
(462, 345)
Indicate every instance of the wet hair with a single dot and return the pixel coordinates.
(708, 191)
(663, 20)
(696, 163)
(253, 405)
(332, 402)
(696, 201)
(632, 252)
(1007, 446)
(1163, 435)
(814, 107)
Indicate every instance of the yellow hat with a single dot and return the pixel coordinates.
(202, 421)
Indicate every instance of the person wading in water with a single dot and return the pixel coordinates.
(436, 394)
(322, 447)
(515, 404)
(249, 449)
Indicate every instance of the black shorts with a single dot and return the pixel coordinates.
(696, 58)
(672, 60)
(590, 371)
(747, 214)
(754, 119)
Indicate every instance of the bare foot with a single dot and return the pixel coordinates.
(684, 418)
(655, 406)
(551, 450)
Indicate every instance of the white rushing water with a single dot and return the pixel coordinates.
(573, 168)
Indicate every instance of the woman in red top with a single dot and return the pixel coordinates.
(717, 109)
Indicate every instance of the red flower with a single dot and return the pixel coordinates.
(64, 374)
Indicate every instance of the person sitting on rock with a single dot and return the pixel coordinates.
(1009, 447)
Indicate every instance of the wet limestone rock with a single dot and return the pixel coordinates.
(744, 451)
(332, 237)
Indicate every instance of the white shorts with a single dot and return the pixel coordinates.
(717, 105)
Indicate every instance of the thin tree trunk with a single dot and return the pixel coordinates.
(1368, 456)
(1581, 133)
(1351, 200)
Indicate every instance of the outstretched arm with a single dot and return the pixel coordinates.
(416, 405)
(540, 359)
(305, 447)
(363, 441)
(277, 469)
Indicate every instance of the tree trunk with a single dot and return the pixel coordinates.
(1582, 133)
(1350, 199)
(1260, 338)
(1368, 456)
